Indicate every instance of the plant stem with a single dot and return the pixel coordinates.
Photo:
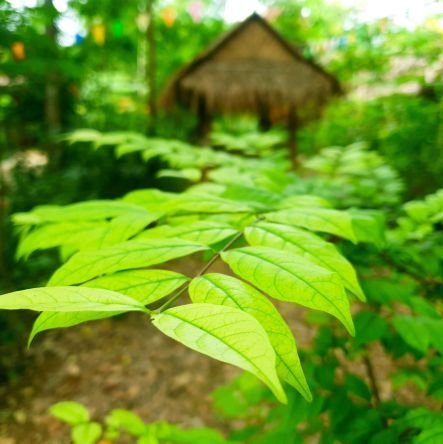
(372, 379)
(207, 266)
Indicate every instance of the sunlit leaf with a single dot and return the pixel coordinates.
(225, 290)
(85, 211)
(224, 333)
(203, 232)
(312, 247)
(120, 229)
(87, 265)
(288, 277)
(326, 220)
(67, 299)
(86, 433)
(204, 203)
(70, 412)
(55, 235)
(146, 286)
(50, 320)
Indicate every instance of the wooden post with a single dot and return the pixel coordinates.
(264, 119)
(152, 69)
(292, 137)
(204, 122)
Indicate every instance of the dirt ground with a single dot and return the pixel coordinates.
(127, 363)
(114, 363)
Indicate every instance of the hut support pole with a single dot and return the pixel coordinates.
(264, 119)
(204, 122)
(292, 137)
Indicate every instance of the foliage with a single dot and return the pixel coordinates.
(124, 423)
(279, 244)
(354, 176)
(187, 223)
(406, 130)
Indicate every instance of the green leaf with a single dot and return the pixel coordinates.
(368, 226)
(56, 234)
(85, 211)
(435, 328)
(317, 219)
(204, 203)
(169, 433)
(70, 412)
(86, 433)
(146, 286)
(228, 291)
(203, 232)
(252, 196)
(190, 174)
(434, 435)
(119, 230)
(127, 420)
(288, 277)
(68, 299)
(357, 386)
(84, 266)
(304, 200)
(307, 244)
(413, 331)
(84, 236)
(421, 418)
(224, 333)
(50, 320)
(150, 199)
(369, 327)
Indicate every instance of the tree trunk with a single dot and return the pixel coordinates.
(152, 69)
(52, 95)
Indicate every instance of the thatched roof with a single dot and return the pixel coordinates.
(250, 69)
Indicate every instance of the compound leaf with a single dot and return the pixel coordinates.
(146, 286)
(225, 290)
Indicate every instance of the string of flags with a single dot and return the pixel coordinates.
(100, 32)
(168, 15)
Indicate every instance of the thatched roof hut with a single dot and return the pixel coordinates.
(252, 69)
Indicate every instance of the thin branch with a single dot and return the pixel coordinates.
(372, 379)
(207, 266)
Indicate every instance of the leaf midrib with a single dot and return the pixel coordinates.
(300, 278)
(308, 395)
(221, 340)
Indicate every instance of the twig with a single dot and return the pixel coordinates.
(207, 266)
(372, 379)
